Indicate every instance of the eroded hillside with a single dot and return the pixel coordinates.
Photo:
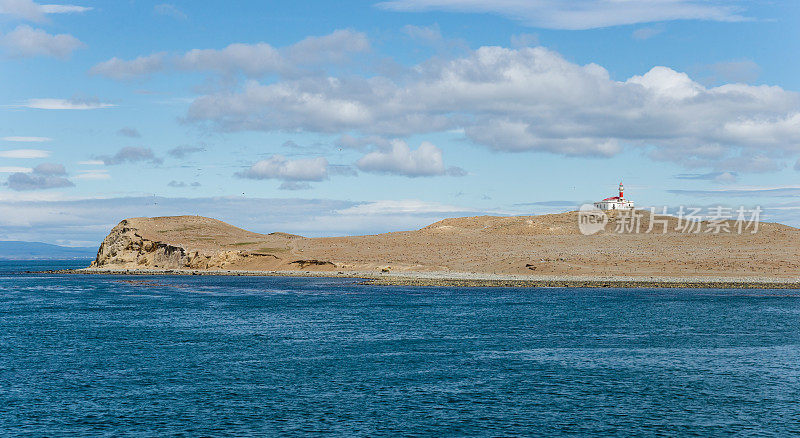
(539, 245)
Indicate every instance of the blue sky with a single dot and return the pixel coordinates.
(331, 118)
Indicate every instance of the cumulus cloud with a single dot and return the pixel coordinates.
(67, 104)
(120, 69)
(24, 9)
(184, 151)
(25, 41)
(335, 47)
(528, 99)
(43, 176)
(400, 159)
(579, 14)
(282, 168)
(24, 153)
(131, 154)
(252, 60)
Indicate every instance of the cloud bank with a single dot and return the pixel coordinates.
(251, 60)
(530, 99)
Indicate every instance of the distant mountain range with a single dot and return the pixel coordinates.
(15, 250)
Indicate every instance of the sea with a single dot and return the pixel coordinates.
(272, 356)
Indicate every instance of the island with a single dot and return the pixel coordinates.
(545, 250)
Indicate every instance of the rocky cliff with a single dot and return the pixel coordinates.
(191, 242)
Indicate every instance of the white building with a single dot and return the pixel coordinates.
(615, 202)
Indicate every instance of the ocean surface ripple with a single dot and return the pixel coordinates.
(215, 356)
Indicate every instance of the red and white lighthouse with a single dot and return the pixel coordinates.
(615, 202)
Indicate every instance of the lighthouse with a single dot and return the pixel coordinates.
(615, 202)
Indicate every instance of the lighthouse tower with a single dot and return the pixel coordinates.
(615, 202)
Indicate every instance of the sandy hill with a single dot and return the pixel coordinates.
(540, 245)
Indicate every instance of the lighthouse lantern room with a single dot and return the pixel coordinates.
(615, 202)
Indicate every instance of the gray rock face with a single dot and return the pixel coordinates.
(125, 248)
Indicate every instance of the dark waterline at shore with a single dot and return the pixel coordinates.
(161, 355)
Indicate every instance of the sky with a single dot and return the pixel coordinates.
(352, 117)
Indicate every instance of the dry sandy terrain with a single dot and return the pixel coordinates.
(536, 246)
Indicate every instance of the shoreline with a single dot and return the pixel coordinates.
(465, 279)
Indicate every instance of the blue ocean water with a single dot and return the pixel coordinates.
(216, 356)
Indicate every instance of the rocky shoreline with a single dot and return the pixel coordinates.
(463, 279)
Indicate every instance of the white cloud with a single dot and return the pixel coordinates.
(529, 99)
(281, 168)
(400, 159)
(27, 139)
(120, 69)
(253, 60)
(24, 153)
(26, 41)
(66, 104)
(24, 9)
(64, 9)
(91, 162)
(335, 47)
(579, 14)
(15, 169)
